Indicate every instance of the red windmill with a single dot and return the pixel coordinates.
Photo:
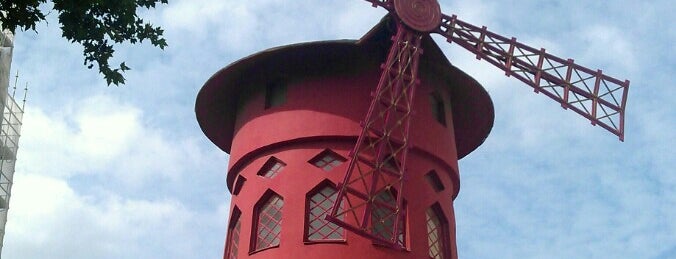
(385, 134)
(290, 117)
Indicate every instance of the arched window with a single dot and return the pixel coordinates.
(383, 215)
(319, 203)
(232, 245)
(437, 233)
(268, 222)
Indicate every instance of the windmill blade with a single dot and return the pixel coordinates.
(387, 4)
(378, 161)
(600, 98)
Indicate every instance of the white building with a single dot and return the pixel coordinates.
(10, 127)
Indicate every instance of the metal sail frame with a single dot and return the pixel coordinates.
(378, 161)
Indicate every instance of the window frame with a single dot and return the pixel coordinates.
(235, 219)
(320, 158)
(267, 196)
(433, 179)
(444, 239)
(276, 92)
(306, 226)
(272, 161)
(403, 218)
(239, 184)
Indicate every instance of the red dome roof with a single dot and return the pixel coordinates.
(216, 103)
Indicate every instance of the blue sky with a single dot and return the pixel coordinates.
(125, 172)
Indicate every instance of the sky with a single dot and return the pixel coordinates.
(125, 172)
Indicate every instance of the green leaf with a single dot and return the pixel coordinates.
(97, 25)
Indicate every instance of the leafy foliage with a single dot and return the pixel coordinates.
(95, 24)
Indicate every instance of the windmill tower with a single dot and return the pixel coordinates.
(349, 149)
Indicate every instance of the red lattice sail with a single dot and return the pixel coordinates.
(378, 161)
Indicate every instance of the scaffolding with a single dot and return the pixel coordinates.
(9, 143)
(10, 128)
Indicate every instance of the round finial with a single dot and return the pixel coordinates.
(420, 15)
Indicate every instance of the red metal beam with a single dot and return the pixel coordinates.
(595, 96)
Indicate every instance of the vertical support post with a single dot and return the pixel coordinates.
(566, 83)
(510, 57)
(595, 96)
(625, 85)
(538, 74)
(480, 44)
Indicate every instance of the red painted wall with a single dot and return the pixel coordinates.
(323, 112)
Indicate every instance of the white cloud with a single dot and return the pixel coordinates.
(196, 20)
(105, 128)
(53, 145)
(84, 138)
(475, 12)
(107, 167)
(101, 135)
(609, 47)
(49, 219)
(132, 203)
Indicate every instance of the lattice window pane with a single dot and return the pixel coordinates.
(383, 215)
(319, 206)
(269, 224)
(434, 235)
(271, 168)
(327, 160)
(234, 239)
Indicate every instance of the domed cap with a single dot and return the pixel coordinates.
(216, 104)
